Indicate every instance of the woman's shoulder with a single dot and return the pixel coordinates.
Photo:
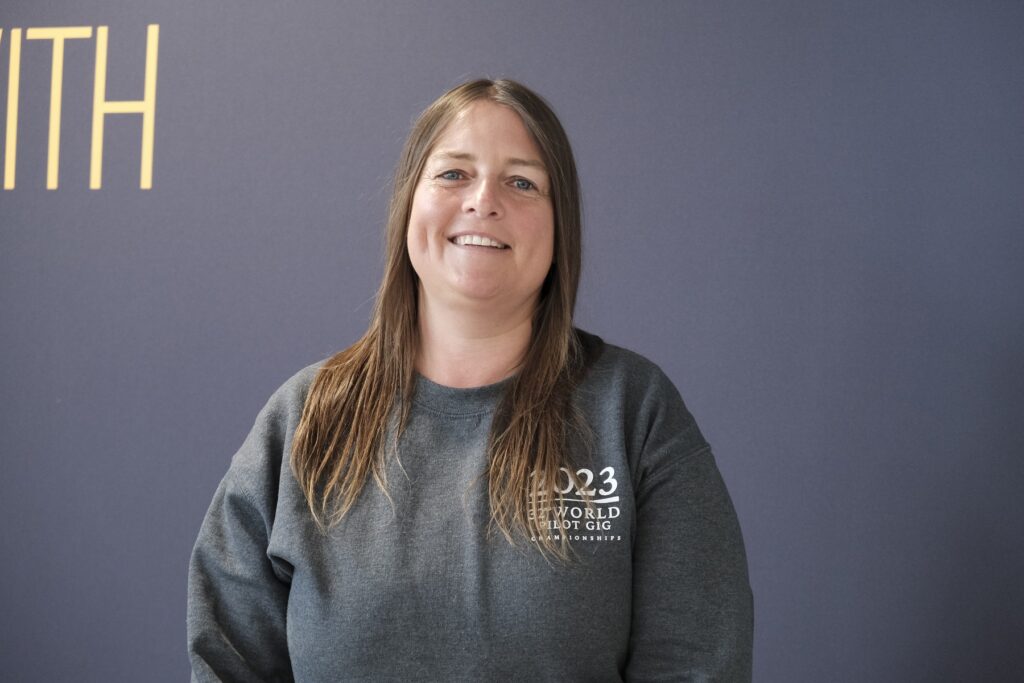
(294, 389)
(627, 391)
(256, 467)
(609, 362)
(286, 402)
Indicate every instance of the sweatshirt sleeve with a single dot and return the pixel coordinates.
(692, 605)
(238, 597)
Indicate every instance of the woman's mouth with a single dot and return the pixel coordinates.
(477, 241)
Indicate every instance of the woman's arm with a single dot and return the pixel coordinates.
(237, 597)
(692, 604)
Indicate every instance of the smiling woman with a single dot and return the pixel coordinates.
(544, 506)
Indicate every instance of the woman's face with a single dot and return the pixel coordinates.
(481, 230)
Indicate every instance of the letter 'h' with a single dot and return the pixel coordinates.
(146, 106)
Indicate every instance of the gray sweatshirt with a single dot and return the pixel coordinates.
(416, 588)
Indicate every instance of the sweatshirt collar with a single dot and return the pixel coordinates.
(456, 401)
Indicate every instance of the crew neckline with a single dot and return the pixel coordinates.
(456, 400)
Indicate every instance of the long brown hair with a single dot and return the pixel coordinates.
(341, 439)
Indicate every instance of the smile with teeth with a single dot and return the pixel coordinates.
(477, 241)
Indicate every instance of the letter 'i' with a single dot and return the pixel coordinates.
(11, 136)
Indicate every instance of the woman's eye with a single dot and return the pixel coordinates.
(450, 175)
(523, 184)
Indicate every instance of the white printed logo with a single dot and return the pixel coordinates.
(580, 522)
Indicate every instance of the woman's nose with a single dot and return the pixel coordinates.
(483, 199)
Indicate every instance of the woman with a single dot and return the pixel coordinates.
(543, 506)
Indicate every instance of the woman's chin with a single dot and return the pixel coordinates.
(478, 287)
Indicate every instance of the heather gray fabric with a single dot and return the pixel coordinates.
(415, 588)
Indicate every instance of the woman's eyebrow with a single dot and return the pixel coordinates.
(456, 156)
(511, 161)
(532, 163)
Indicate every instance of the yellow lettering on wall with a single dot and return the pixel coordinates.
(58, 35)
(146, 106)
(11, 139)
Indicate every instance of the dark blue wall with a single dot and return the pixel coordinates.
(810, 214)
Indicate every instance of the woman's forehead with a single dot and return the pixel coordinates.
(485, 128)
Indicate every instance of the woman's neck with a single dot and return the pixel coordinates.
(465, 349)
